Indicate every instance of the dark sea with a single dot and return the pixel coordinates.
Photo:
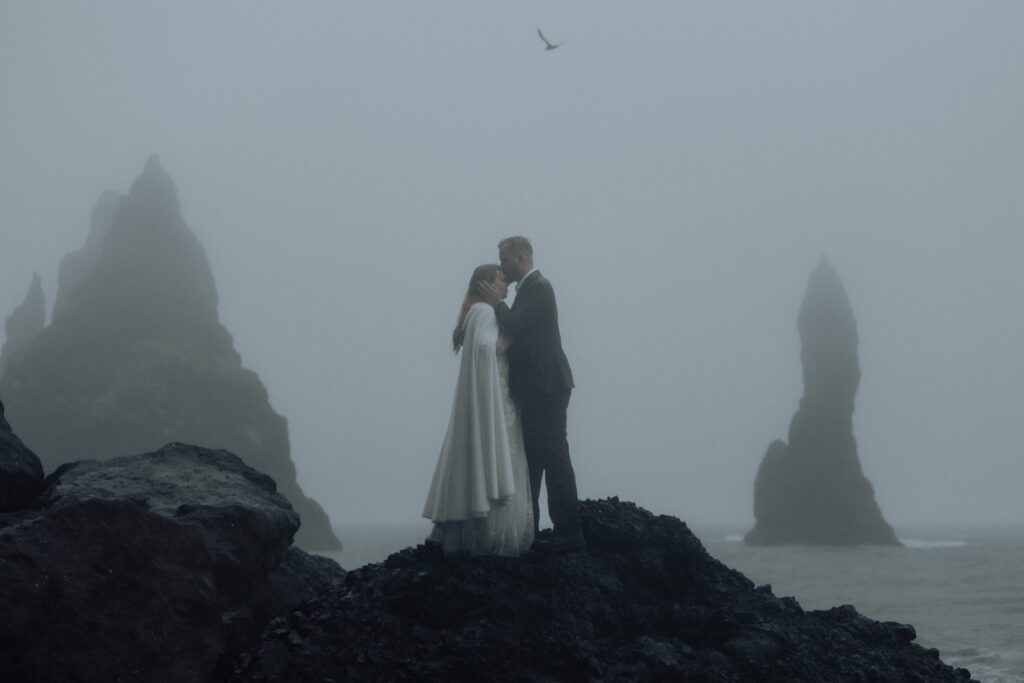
(962, 589)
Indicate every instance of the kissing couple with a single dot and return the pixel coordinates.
(507, 430)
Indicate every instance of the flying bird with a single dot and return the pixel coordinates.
(548, 43)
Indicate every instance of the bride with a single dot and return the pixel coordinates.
(479, 498)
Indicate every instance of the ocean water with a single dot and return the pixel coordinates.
(962, 589)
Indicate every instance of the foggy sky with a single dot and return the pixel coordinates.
(680, 169)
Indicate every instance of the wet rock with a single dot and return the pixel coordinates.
(145, 568)
(300, 577)
(21, 473)
(644, 602)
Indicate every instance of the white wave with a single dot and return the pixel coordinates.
(921, 544)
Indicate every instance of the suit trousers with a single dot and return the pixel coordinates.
(547, 455)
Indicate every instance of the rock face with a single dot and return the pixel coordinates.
(25, 323)
(645, 602)
(812, 490)
(135, 355)
(155, 567)
(75, 267)
(21, 473)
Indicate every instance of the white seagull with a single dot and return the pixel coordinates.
(548, 43)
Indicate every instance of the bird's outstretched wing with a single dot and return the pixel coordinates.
(546, 41)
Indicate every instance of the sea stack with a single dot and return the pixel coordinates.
(135, 355)
(812, 490)
(75, 267)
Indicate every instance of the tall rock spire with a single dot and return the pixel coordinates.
(812, 490)
(136, 356)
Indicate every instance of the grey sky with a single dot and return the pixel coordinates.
(679, 167)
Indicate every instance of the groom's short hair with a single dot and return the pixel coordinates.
(516, 245)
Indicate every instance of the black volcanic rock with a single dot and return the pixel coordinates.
(21, 473)
(25, 323)
(176, 566)
(299, 577)
(135, 355)
(812, 490)
(235, 510)
(153, 567)
(644, 602)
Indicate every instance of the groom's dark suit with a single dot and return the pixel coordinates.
(540, 382)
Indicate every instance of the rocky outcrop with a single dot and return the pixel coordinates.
(644, 602)
(155, 567)
(176, 566)
(812, 490)
(21, 473)
(25, 323)
(135, 355)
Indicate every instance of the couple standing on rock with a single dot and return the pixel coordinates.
(508, 424)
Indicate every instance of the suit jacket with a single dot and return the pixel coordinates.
(536, 363)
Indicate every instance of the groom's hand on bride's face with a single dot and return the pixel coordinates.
(490, 293)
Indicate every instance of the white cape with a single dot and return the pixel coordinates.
(474, 470)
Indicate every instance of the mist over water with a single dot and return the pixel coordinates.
(680, 170)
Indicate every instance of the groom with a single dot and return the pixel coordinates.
(540, 382)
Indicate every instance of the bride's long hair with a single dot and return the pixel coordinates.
(484, 273)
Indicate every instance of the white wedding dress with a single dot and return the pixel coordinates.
(479, 497)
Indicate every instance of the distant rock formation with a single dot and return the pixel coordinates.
(812, 491)
(135, 355)
(75, 267)
(25, 323)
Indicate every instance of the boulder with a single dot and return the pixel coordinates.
(146, 568)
